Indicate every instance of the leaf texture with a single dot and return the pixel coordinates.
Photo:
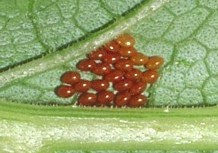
(29, 29)
(183, 32)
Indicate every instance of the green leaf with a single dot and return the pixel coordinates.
(41, 39)
(29, 29)
(34, 81)
(183, 32)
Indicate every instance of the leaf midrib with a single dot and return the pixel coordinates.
(74, 51)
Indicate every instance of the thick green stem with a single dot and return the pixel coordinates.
(53, 129)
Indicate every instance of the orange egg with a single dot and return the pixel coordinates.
(139, 59)
(137, 101)
(150, 76)
(87, 99)
(112, 47)
(154, 62)
(64, 91)
(104, 98)
(125, 40)
(124, 65)
(70, 77)
(86, 65)
(127, 51)
(82, 86)
(97, 54)
(121, 99)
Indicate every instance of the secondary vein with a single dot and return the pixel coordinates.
(55, 59)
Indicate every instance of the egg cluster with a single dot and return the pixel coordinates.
(122, 76)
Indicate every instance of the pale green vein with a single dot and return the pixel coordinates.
(58, 58)
(75, 20)
(103, 5)
(36, 28)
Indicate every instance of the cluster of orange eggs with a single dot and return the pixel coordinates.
(120, 81)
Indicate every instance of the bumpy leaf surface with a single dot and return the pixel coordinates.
(48, 37)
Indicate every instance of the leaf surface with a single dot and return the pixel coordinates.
(183, 32)
(41, 39)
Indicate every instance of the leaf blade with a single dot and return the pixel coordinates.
(9, 78)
